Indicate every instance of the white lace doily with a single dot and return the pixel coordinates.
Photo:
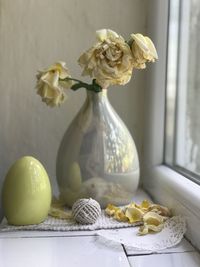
(171, 235)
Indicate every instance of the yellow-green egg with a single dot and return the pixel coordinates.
(26, 192)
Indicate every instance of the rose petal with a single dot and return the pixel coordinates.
(60, 213)
(104, 34)
(120, 216)
(111, 210)
(134, 214)
(145, 229)
(152, 49)
(153, 218)
(161, 210)
(51, 78)
(101, 35)
(140, 41)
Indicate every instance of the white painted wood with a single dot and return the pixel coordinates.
(187, 259)
(175, 187)
(35, 234)
(183, 246)
(60, 252)
(171, 80)
(163, 184)
(180, 141)
(157, 21)
(180, 194)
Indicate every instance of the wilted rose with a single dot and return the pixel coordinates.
(109, 61)
(143, 50)
(50, 85)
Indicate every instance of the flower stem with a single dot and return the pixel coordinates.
(71, 79)
(79, 84)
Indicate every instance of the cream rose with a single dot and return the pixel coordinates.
(143, 51)
(109, 61)
(49, 85)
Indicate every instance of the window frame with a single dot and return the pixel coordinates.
(164, 184)
(176, 88)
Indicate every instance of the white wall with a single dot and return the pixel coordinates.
(36, 33)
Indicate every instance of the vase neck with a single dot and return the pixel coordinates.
(97, 102)
(96, 95)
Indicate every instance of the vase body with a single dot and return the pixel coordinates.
(97, 157)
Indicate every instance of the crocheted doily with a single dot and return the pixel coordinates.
(171, 235)
(54, 224)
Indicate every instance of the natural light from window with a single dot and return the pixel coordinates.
(182, 144)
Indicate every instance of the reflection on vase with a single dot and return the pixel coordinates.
(97, 157)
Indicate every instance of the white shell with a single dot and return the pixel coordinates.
(86, 211)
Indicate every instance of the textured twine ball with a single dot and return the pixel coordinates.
(86, 211)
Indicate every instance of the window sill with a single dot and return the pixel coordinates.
(178, 193)
(21, 246)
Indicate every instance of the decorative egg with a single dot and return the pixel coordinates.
(26, 192)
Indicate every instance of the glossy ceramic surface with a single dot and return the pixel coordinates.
(26, 192)
(97, 157)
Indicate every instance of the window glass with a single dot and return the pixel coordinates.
(182, 145)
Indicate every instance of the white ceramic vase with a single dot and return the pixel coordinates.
(97, 157)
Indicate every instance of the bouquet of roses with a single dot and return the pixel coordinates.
(110, 61)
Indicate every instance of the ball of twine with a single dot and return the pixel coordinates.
(86, 211)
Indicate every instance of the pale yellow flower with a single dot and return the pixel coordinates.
(60, 213)
(109, 61)
(50, 87)
(143, 51)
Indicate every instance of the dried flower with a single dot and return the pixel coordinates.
(143, 50)
(111, 210)
(109, 61)
(134, 214)
(51, 84)
(120, 216)
(60, 213)
(152, 216)
(153, 222)
(163, 211)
